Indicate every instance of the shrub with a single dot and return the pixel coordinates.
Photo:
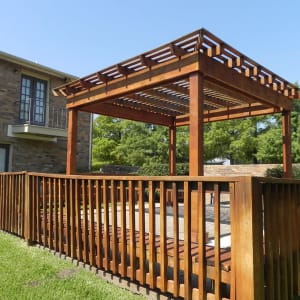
(162, 169)
(277, 172)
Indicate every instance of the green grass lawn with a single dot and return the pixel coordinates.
(34, 273)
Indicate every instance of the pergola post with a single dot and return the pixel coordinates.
(196, 125)
(172, 150)
(72, 141)
(286, 146)
(196, 144)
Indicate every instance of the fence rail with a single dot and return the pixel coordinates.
(191, 237)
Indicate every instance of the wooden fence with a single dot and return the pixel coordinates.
(166, 233)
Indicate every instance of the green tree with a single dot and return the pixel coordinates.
(250, 140)
(232, 139)
(106, 137)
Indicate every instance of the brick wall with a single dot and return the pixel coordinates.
(34, 155)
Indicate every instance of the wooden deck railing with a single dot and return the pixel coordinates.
(164, 232)
(12, 202)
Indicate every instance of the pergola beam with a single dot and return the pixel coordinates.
(145, 79)
(231, 78)
(116, 111)
(232, 113)
(162, 74)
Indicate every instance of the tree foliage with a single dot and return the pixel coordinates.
(250, 140)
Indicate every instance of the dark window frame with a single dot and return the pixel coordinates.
(33, 100)
(6, 147)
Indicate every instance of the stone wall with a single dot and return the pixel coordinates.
(237, 170)
(36, 155)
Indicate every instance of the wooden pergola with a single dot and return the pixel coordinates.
(195, 79)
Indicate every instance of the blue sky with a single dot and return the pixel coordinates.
(81, 37)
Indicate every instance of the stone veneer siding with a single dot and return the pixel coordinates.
(34, 155)
(238, 170)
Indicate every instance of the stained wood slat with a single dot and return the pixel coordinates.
(61, 221)
(78, 219)
(132, 241)
(201, 241)
(49, 207)
(91, 217)
(73, 218)
(296, 244)
(152, 254)
(232, 194)
(217, 241)
(176, 239)
(289, 249)
(14, 216)
(85, 221)
(123, 249)
(163, 238)
(55, 212)
(68, 214)
(105, 225)
(2, 203)
(142, 248)
(268, 243)
(45, 210)
(99, 226)
(283, 241)
(9, 206)
(187, 241)
(38, 205)
(276, 224)
(113, 201)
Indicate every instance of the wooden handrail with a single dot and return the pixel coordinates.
(126, 226)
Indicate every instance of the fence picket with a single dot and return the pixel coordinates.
(123, 247)
(99, 224)
(78, 219)
(113, 201)
(91, 218)
(94, 219)
(201, 241)
(106, 235)
(60, 218)
(174, 202)
(152, 252)
(187, 241)
(142, 249)
(217, 283)
(132, 240)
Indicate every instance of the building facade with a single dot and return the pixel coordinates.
(33, 123)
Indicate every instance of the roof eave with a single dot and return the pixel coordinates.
(36, 67)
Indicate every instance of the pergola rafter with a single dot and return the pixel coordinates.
(164, 86)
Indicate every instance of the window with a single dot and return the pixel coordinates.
(4, 155)
(33, 100)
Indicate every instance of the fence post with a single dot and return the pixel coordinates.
(247, 240)
(27, 212)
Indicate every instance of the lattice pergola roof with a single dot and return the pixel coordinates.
(154, 86)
